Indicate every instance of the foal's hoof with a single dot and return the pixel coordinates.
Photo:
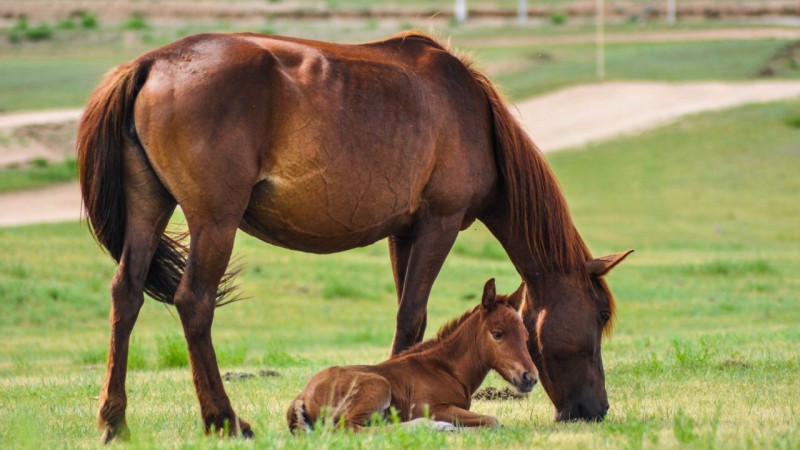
(116, 433)
(443, 426)
(434, 425)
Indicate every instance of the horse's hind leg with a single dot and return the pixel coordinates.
(212, 237)
(149, 208)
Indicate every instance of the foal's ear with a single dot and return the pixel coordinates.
(489, 296)
(598, 267)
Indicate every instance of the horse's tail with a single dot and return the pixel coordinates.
(536, 205)
(106, 127)
(296, 416)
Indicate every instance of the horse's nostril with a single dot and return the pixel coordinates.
(526, 377)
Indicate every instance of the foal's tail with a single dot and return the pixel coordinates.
(105, 129)
(296, 416)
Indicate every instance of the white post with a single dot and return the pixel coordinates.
(522, 11)
(460, 11)
(600, 39)
(671, 12)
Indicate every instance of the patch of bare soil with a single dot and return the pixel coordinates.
(644, 36)
(494, 394)
(784, 62)
(735, 363)
(236, 376)
(580, 115)
(52, 142)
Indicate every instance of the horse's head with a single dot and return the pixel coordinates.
(503, 339)
(567, 317)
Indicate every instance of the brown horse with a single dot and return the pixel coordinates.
(435, 378)
(321, 148)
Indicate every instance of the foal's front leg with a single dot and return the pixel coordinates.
(462, 417)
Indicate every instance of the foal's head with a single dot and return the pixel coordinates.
(502, 338)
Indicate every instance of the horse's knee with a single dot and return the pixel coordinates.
(126, 300)
(196, 316)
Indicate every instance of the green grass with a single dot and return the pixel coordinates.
(706, 351)
(537, 69)
(39, 175)
(62, 73)
(48, 81)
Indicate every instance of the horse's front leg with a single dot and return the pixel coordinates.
(210, 251)
(433, 238)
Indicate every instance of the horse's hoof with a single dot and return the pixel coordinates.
(118, 433)
(247, 433)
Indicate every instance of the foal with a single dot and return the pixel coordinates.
(435, 378)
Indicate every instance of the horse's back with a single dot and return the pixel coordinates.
(336, 146)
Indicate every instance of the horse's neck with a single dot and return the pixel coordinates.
(531, 267)
(460, 356)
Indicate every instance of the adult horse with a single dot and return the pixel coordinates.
(321, 148)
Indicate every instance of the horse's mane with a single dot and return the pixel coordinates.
(444, 331)
(536, 204)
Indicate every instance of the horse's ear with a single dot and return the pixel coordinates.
(516, 299)
(489, 296)
(598, 267)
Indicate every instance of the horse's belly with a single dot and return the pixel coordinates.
(321, 218)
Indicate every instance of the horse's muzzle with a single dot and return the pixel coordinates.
(580, 412)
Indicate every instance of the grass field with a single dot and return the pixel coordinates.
(706, 352)
(62, 72)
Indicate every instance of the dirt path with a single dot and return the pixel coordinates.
(568, 118)
(722, 34)
(589, 113)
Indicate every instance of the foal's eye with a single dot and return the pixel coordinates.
(604, 316)
(497, 335)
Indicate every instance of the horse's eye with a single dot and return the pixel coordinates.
(497, 335)
(604, 316)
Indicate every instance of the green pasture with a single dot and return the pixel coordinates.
(706, 351)
(61, 72)
(42, 173)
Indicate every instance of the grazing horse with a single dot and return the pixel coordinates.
(321, 148)
(433, 379)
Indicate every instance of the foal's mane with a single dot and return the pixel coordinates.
(446, 330)
(537, 208)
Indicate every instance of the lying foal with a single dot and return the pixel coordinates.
(435, 378)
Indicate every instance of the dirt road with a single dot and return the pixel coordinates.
(565, 119)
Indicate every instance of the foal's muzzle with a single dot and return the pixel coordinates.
(527, 382)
